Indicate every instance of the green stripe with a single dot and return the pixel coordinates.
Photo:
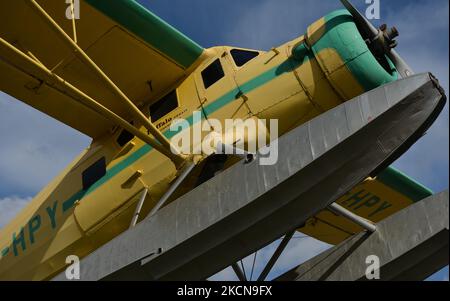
(213, 107)
(253, 84)
(5, 251)
(67, 205)
(151, 29)
(216, 105)
(405, 185)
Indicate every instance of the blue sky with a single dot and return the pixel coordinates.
(40, 147)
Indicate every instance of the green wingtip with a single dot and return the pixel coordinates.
(404, 184)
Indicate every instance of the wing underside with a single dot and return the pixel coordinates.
(140, 53)
(375, 200)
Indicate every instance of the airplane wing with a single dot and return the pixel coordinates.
(144, 56)
(374, 199)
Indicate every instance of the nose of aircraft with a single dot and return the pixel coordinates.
(380, 41)
(349, 49)
(343, 52)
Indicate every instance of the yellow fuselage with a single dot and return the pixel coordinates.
(291, 83)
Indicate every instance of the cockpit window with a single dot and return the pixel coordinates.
(242, 57)
(94, 173)
(164, 106)
(212, 74)
(124, 138)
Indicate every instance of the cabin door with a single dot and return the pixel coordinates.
(219, 94)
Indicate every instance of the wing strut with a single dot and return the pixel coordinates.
(166, 144)
(20, 61)
(74, 22)
(369, 226)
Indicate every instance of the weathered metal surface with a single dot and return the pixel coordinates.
(411, 246)
(250, 205)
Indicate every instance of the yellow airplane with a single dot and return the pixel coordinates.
(121, 75)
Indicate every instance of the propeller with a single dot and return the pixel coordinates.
(380, 41)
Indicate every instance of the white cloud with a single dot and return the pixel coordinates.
(34, 149)
(10, 207)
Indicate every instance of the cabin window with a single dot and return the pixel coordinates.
(124, 138)
(242, 57)
(164, 106)
(212, 74)
(94, 173)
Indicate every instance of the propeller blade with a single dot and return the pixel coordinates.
(372, 33)
(361, 21)
(400, 64)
